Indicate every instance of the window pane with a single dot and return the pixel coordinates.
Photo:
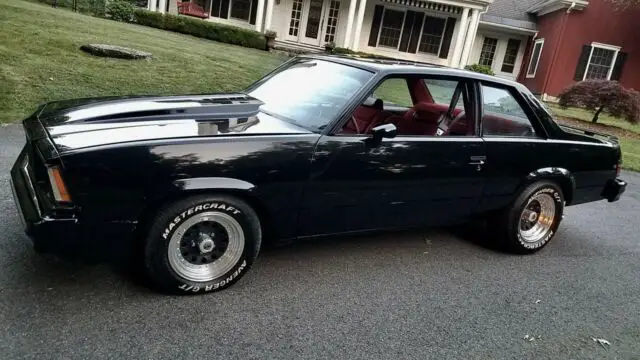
(391, 28)
(488, 51)
(394, 92)
(503, 115)
(432, 35)
(510, 55)
(442, 91)
(294, 23)
(535, 58)
(240, 9)
(600, 64)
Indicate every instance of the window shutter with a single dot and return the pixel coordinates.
(224, 9)
(407, 33)
(415, 34)
(215, 8)
(448, 35)
(582, 63)
(254, 10)
(375, 25)
(616, 73)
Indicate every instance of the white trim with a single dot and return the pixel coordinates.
(462, 29)
(508, 27)
(533, 50)
(616, 51)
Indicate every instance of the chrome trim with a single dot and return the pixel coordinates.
(30, 188)
(16, 201)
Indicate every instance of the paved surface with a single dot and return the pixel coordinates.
(412, 295)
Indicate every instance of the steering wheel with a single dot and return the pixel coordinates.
(355, 124)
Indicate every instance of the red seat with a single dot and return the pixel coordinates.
(191, 9)
(365, 118)
(422, 119)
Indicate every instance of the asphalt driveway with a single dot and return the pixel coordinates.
(418, 295)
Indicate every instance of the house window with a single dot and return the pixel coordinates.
(332, 21)
(600, 63)
(240, 9)
(391, 28)
(432, 32)
(535, 58)
(488, 51)
(296, 12)
(510, 55)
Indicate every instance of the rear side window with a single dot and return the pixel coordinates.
(502, 114)
(442, 91)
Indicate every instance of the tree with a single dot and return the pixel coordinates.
(623, 4)
(603, 95)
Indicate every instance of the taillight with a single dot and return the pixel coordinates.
(618, 168)
(60, 192)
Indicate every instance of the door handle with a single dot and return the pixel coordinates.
(478, 162)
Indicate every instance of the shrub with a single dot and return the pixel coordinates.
(603, 95)
(121, 10)
(482, 69)
(200, 28)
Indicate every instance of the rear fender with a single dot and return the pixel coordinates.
(561, 176)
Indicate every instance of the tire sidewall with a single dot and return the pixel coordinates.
(542, 188)
(158, 244)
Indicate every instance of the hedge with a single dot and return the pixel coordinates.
(201, 28)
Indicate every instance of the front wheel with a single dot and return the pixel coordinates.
(533, 219)
(202, 244)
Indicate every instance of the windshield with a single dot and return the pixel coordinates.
(310, 92)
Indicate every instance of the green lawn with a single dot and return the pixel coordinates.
(40, 60)
(585, 115)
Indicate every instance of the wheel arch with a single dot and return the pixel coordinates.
(560, 176)
(241, 189)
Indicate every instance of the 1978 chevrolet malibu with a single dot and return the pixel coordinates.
(321, 145)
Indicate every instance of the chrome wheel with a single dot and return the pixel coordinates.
(537, 218)
(206, 246)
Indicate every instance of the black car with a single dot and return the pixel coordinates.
(321, 145)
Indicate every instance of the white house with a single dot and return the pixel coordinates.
(451, 33)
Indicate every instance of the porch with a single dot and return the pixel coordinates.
(441, 32)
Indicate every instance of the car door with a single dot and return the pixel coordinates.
(409, 180)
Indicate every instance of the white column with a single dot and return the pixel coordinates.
(359, 20)
(162, 5)
(152, 5)
(259, 15)
(347, 32)
(464, 21)
(471, 35)
(268, 16)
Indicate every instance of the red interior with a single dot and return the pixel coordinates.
(422, 118)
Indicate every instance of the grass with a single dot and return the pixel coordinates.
(628, 133)
(581, 114)
(40, 60)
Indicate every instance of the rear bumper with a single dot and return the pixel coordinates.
(614, 189)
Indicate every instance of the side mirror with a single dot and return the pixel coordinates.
(383, 131)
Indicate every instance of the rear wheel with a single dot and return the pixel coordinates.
(533, 219)
(202, 244)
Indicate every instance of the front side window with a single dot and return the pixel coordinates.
(535, 58)
(600, 63)
(432, 32)
(510, 56)
(502, 114)
(309, 92)
(391, 28)
(488, 51)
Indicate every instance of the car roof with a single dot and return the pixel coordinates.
(407, 67)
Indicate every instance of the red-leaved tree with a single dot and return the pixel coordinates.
(603, 95)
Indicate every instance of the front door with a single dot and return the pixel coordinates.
(405, 181)
(313, 22)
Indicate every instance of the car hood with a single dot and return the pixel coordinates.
(81, 123)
